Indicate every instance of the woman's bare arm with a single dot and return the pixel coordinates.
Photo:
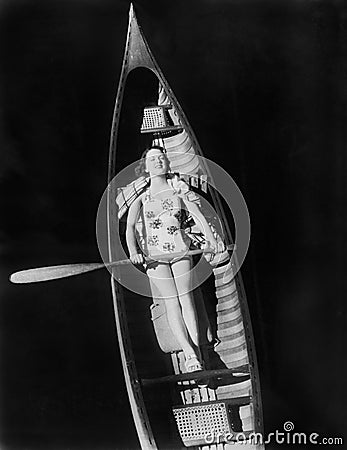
(133, 214)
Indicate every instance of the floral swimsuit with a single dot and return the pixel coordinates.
(162, 219)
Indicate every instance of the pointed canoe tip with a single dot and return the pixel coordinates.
(132, 16)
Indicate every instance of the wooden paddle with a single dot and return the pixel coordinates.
(68, 270)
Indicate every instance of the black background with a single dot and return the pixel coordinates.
(263, 85)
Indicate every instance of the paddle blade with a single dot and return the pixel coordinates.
(53, 272)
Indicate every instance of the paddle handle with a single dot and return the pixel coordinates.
(68, 270)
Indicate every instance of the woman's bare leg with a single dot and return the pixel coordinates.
(162, 277)
(182, 277)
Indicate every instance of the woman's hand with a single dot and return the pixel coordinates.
(220, 247)
(216, 247)
(137, 258)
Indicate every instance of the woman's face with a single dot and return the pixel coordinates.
(156, 162)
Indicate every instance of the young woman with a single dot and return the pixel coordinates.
(162, 209)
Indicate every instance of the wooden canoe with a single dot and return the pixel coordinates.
(169, 407)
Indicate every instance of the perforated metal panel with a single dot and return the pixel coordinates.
(153, 118)
(196, 423)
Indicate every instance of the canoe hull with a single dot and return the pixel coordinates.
(165, 403)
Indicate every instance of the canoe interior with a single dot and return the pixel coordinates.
(170, 409)
(148, 361)
(141, 90)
